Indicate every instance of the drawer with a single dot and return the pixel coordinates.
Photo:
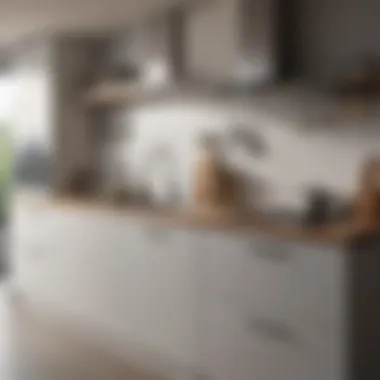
(218, 344)
(233, 347)
(320, 288)
(269, 271)
(304, 284)
(262, 360)
(320, 269)
(266, 355)
(324, 355)
(236, 346)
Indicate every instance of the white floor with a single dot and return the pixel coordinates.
(31, 350)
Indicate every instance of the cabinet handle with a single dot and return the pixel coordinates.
(271, 329)
(272, 252)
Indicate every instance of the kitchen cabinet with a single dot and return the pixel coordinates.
(214, 304)
(131, 280)
(156, 47)
(297, 310)
(163, 313)
(212, 40)
(229, 40)
(273, 309)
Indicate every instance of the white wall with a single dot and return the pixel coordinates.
(298, 158)
(333, 33)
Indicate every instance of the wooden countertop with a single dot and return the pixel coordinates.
(340, 232)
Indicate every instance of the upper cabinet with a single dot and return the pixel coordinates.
(157, 47)
(212, 39)
(232, 40)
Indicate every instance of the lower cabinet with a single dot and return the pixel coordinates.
(126, 278)
(153, 295)
(271, 310)
(217, 306)
(235, 347)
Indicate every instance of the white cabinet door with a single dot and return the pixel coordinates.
(85, 272)
(321, 310)
(54, 256)
(156, 295)
(31, 230)
(133, 281)
(220, 274)
(271, 310)
(136, 282)
(219, 343)
(299, 291)
(269, 281)
(321, 283)
(172, 294)
(224, 268)
(212, 39)
(268, 348)
(232, 40)
(236, 347)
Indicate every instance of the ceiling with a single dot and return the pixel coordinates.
(20, 18)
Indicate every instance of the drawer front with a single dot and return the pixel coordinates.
(273, 310)
(218, 344)
(321, 310)
(269, 272)
(303, 284)
(320, 288)
(324, 356)
(238, 346)
(273, 350)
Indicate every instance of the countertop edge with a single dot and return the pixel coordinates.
(336, 233)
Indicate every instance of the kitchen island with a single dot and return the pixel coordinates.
(198, 297)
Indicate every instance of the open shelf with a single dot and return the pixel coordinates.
(124, 93)
(114, 93)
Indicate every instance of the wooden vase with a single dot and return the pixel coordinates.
(368, 203)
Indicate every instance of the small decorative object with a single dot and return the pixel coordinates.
(208, 174)
(319, 207)
(232, 187)
(249, 141)
(81, 183)
(244, 146)
(121, 195)
(217, 187)
(368, 203)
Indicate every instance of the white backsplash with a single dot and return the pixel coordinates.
(297, 159)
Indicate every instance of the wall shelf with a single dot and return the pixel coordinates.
(113, 93)
(124, 93)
